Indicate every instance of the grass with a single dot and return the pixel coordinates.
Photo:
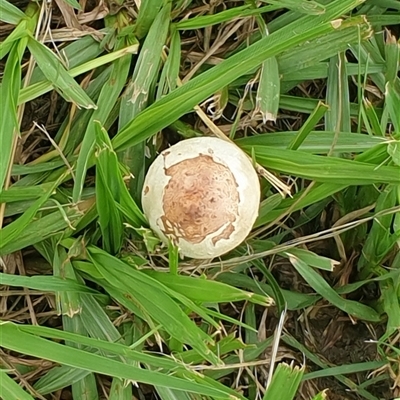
(93, 306)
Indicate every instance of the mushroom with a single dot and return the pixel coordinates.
(202, 194)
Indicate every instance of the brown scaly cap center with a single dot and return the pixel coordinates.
(199, 199)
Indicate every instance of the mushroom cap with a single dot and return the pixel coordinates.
(203, 194)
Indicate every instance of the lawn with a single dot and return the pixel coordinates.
(94, 305)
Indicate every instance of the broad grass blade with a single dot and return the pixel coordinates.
(204, 291)
(154, 298)
(324, 169)
(15, 339)
(136, 95)
(315, 142)
(285, 382)
(337, 117)
(9, 389)
(170, 73)
(9, 13)
(268, 91)
(183, 99)
(43, 228)
(147, 14)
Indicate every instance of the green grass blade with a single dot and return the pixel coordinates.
(9, 13)
(202, 290)
(45, 283)
(15, 339)
(337, 98)
(278, 296)
(39, 88)
(230, 14)
(371, 118)
(170, 73)
(183, 99)
(19, 193)
(293, 300)
(314, 260)
(308, 126)
(268, 91)
(315, 142)
(285, 382)
(316, 360)
(11, 232)
(321, 395)
(302, 6)
(55, 72)
(137, 95)
(9, 389)
(380, 240)
(73, 3)
(318, 283)
(345, 369)
(147, 14)
(324, 169)
(20, 32)
(9, 92)
(173, 258)
(393, 103)
(116, 349)
(70, 307)
(107, 192)
(43, 228)
(59, 378)
(107, 98)
(154, 298)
